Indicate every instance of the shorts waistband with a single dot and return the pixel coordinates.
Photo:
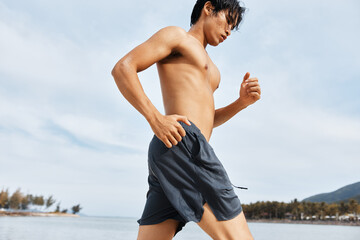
(191, 128)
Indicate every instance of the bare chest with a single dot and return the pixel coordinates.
(212, 74)
(192, 58)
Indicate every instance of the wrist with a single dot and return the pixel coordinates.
(153, 116)
(240, 104)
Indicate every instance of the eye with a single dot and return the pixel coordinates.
(229, 23)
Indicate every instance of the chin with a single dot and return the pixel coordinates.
(214, 44)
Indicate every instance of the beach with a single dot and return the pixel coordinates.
(103, 228)
(36, 214)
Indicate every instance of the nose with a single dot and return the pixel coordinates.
(228, 32)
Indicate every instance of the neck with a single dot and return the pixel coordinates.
(197, 31)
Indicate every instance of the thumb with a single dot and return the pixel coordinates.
(247, 75)
(184, 120)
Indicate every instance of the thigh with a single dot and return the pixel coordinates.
(161, 231)
(234, 229)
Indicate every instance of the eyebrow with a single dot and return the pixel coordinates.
(231, 20)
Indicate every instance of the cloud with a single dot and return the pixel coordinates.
(66, 130)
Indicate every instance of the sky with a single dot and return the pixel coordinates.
(66, 131)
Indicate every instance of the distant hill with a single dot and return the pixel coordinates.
(342, 194)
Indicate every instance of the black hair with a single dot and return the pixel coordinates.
(235, 15)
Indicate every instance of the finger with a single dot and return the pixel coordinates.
(255, 95)
(183, 119)
(252, 80)
(173, 140)
(247, 75)
(181, 130)
(252, 84)
(167, 143)
(177, 136)
(254, 89)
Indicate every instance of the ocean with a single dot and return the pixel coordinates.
(105, 228)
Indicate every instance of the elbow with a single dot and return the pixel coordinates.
(123, 69)
(123, 73)
(113, 71)
(119, 67)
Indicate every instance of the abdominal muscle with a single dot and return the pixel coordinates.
(202, 116)
(189, 95)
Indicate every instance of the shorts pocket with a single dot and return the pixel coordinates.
(191, 144)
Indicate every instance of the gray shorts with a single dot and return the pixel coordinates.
(182, 178)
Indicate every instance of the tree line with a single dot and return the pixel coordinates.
(20, 201)
(296, 210)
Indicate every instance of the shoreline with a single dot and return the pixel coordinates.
(316, 222)
(36, 214)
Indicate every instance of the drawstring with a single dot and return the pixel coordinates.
(245, 188)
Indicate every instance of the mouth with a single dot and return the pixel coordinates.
(223, 37)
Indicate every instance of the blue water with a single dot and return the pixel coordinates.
(103, 228)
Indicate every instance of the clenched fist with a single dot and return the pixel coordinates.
(250, 90)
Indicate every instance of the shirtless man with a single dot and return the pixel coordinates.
(188, 80)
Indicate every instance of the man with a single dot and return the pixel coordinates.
(186, 180)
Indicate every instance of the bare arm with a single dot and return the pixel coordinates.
(249, 93)
(159, 46)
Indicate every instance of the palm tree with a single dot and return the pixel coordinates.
(75, 209)
(343, 208)
(4, 199)
(323, 209)
(353, 205)
(50, 201)
(15, 199)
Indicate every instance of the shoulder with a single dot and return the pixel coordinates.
(171, 34)
(172, 31)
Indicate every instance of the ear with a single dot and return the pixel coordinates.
(208, 8)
